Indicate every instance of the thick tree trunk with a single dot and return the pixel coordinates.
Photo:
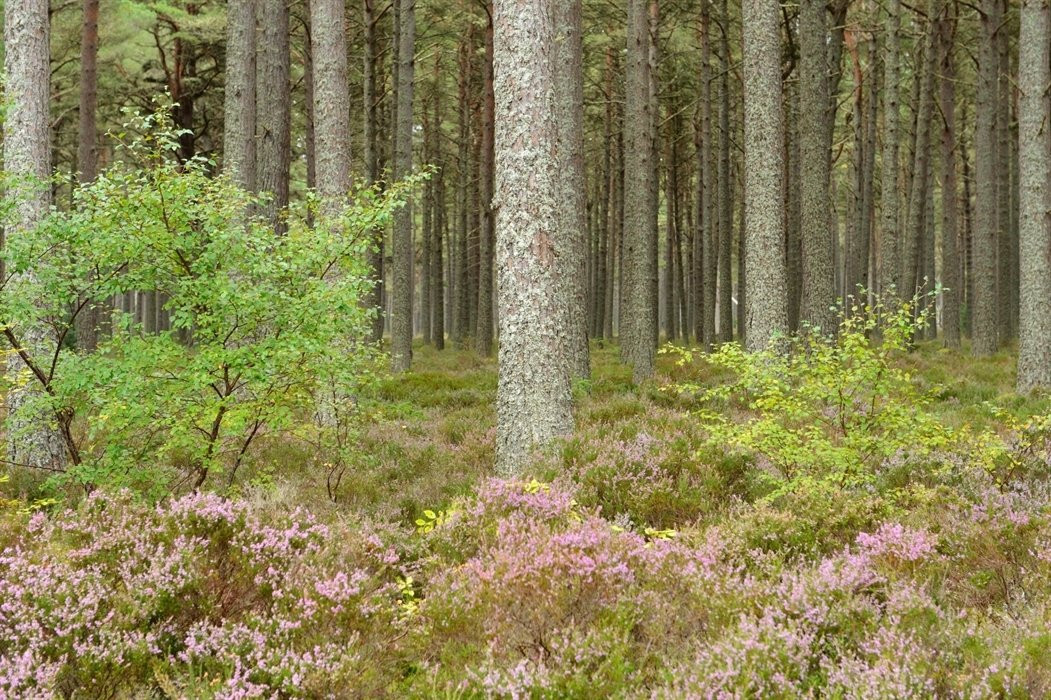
(569, 101)
(331, 103)
(34, 439)
(819, 291)
(1034, 164)
(533, 396)
(640, 248)
(274, 109)
(88, 321)
(402, 244)
(1005, 267)
(706, 211)
(985, 332)
(239, 146)
(461, 327)
(765, 298)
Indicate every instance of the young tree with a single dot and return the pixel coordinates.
(1034, 75)
(33, 438)
(402, 244)
(764, 135)
(533, 397)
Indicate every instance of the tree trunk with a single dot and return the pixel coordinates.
(913, 234)
(569, 102)
(87, 325)
(890, 259)
(402, 244)
(33, 440)
(640, 248)
(819, 291)
(374, 298)
(1034, 165)
(1006, 276)
(765, 298)
(706, 218)
(239, 148)
(951, 278)
(331, 104)
(461, 330)
(985, 332)
(726, 324)
(533, 396)
(274, 109)
(483, 341)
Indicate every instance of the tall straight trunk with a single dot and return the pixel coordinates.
(90, 317)
(793, 215)
(868, 190)
(742, 270)
(427, 244)
(370, 98)
(461, 327)
(706, 220)
(603, 270)
(640, 243)
(569, 102)
(331, 104)
(1034, 165)
(856, 254)
(474, 218)
(765, 298)
(239, 146)
(274, 108)
(616, 237)
(33, 440)
(483, 340)
(402, 243)
(913, 233)
(87, 131)
(726, 330)
(309, 138)
(533, 396)
(985, 210)
(1006, 276)
(929, 270)
(951, 278)
(890, 259)
(819, 291)
(668, 280)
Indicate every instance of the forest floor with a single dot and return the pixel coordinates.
(634, 559)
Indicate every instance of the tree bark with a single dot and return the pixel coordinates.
(331, 103)
(640, 248)
(274, 109)
(402, 244)
(951, 278)
(533, 395)
(890, 259)
(34, 440)
(569, 91)
(374, 299)
(985, 332)
(483, 341)
(239, 146)
(766, 307)
(1034, 165)
(726, 329)
(913, 234)
(819, 292)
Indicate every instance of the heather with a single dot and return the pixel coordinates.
(639, 557)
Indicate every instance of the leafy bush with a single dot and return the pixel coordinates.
(823, 409)
(265, 329)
